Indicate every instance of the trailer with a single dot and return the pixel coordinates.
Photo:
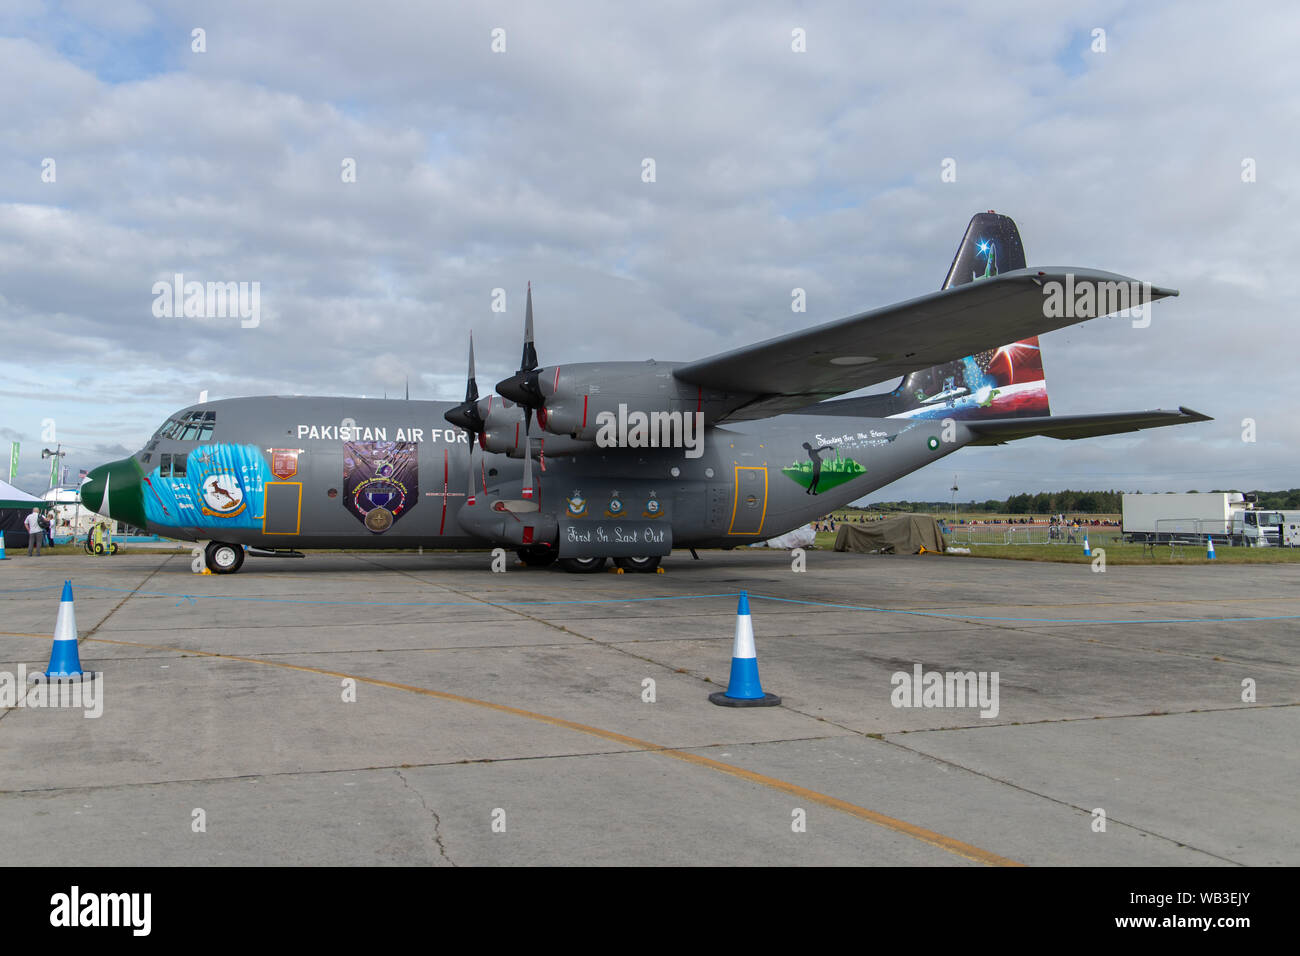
(1190, 518)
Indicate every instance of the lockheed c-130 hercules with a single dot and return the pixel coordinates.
(633, 458)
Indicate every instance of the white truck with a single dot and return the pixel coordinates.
(1192, 518)
(1266, 529)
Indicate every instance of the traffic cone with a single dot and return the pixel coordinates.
(744, 689)
(1209, 550)
(1087, 551)
(2, 547)
(64, 661)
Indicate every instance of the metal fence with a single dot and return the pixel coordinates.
(964, 535)
(1190, 528)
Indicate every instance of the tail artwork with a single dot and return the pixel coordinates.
(1005, 382)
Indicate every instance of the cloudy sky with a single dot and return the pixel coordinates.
(774, 169)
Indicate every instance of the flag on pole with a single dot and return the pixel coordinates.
(54, 470)
(13, 461)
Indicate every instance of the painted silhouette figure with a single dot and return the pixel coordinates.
(216, 489)
(815, 455)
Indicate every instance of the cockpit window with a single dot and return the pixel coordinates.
(171, 466)
(192, 426)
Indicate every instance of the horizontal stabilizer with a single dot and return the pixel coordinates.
(999, 431)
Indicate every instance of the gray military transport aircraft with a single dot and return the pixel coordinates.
(634, 458)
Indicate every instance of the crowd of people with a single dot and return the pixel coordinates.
(1059, 525)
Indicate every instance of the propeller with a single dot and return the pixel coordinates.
(523, 387)
(468, 417)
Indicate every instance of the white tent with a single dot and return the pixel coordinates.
(11, 497)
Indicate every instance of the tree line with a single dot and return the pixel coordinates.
(1070, 502)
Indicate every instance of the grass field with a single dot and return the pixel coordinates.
(1105, 538)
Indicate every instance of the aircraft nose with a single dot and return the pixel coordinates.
(92, 489)
(113, 490)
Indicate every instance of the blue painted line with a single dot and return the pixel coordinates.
(1026, 620)
(941, 615)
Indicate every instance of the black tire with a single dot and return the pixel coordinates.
(581, 565)
(99, 549)
(89, 546)
(645, 565)
(222, 558)
(112, 548)
(537, 556)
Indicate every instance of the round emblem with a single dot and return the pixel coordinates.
(932, 442)
(652, 506)
(222, 494)
(379, 519)
(615, 506)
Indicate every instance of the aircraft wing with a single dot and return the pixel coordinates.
(999, 431)
(795, 370)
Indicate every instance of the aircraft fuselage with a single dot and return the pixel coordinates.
(301, 473)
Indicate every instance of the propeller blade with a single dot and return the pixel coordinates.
(528, 455)
(523, 387)
(469, 473)
(467, 414)
(529, 360)
(471, 385)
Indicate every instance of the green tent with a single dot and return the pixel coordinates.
(15, 506)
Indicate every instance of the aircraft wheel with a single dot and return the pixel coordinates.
(537, 556)
(223, 558)
(581, 565)
(644, 565)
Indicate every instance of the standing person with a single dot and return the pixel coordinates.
(35, 532)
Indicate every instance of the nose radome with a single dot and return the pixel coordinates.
(92, 489)
(114, 491)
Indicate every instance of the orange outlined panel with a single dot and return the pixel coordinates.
(747, 485)
(267, 503)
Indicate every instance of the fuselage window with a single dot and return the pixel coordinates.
(178, 466)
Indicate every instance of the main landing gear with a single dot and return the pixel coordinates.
(537, 556)
(644, 565)
(222, 558)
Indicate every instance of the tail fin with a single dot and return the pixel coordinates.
(1006, 382)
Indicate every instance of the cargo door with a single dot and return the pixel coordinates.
(749, 502)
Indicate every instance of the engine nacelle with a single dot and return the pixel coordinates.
(503, 426)
(580, 400)
(503, 432)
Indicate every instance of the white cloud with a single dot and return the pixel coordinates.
(479, 170)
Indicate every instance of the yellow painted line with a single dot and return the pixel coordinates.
(48, 637)
(947, 843)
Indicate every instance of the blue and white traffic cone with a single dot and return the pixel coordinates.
(744, 689)
(2, 546)
(64, 661)
(1209, 549)
(1087, 551)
